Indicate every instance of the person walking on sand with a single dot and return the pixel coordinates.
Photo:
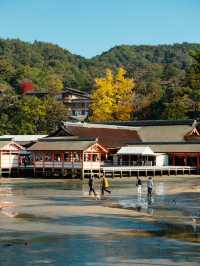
(149, 187)
(105, 186)
(91, 185)
(139, 185)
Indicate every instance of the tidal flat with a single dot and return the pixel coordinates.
(55, 222)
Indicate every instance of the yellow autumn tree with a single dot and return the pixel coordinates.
(112, 98)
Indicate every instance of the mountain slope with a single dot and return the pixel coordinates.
(159, 72)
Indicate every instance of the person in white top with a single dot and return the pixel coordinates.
(139, 185)
(149, 187)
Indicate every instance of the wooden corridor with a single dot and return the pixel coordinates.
(121, 171)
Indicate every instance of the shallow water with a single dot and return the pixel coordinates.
(54, 222)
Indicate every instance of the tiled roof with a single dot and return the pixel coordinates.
(175, 147)
(141, 123)
(75, 91)
(72, 145)
(108, 137)
(21, 138)
(3, 143)
(116, 136)
(164, 133)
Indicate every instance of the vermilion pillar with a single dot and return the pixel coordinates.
(198, 161)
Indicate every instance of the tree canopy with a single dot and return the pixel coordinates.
(29, 115)
(112, 98)
(166, 78)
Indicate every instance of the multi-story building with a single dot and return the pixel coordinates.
(77, 102)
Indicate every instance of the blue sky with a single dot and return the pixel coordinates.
(89, 27)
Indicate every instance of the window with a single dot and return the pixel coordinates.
(48, 157)
(66, 156)
(88, 157)
(76, 157)
(57, 157)
(38, 157)
(95, 157)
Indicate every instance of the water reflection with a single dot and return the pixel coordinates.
(57, 224)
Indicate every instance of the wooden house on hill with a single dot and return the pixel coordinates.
(77, 103)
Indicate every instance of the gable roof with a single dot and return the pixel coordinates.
(4, 143)
(21, 138)
(142, 123)
(164, 133)
(193, 134)
(112, 137)
(180, 147)
(71, 145)
(77, 92)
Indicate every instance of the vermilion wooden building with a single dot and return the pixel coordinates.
(179, 140)
(67, 156)
(9, 156)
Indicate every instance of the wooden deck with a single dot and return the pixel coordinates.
(147, 170)
(110, 171)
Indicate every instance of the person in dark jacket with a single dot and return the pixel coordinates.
(91, 185)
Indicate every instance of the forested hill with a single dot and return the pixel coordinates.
(40, 61)
(149, 62)
(159, 71)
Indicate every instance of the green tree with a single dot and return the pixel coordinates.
(54, 84)
(177, 109)
(55, 112)
(146, 96)
(7, 71)
(30, 115)
(176, 103)
(193, 81)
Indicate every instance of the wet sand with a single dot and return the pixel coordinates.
(54, 222)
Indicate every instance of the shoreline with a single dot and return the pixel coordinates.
(157, 177)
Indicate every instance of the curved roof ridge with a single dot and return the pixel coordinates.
(94, 125)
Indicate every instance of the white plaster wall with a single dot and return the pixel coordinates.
(9, 161)
(162, 160)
